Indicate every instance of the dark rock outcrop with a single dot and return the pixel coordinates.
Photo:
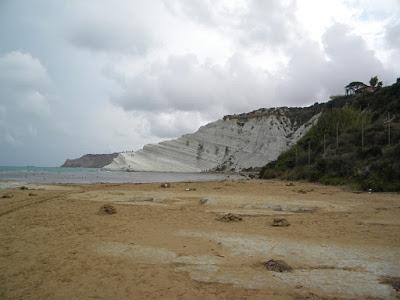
(90, 161)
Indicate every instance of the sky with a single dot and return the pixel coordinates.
(100, 76)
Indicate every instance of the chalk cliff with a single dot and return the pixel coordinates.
(235, 143)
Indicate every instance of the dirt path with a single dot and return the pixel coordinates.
(167, 242)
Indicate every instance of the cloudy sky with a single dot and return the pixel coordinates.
(98, 76)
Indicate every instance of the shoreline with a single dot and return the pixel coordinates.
(77, 176)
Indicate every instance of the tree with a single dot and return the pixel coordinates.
(354, 86)
(373, 81)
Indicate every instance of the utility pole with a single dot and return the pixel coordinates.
(389, 129)
(362, 134)
(388, 122)
(337, 136)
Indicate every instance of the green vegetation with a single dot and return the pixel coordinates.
(356, 141)
(374, 82)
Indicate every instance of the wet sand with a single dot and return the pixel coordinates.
(162, 243)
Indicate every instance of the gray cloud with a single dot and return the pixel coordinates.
(314, 74)
(105, 27)
(393, 35)
(271, 23)
(184, 84)
(392, 40)
(25, 102)
(97, 36)
(20, 70)
(101, 76)
(173, 124)
(24, 84)
(348, 49)
(197, 10)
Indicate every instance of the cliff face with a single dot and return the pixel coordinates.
(234, 143)
(90, 161)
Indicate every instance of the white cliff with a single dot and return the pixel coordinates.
(235, 143)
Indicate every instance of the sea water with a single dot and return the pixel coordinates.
(12, 175)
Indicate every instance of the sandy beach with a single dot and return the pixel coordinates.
(171, 243)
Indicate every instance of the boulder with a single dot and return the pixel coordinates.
(229, 217)
(7, 196)
(107, 209)
(280, 222)
(204, 200)
(277, 266)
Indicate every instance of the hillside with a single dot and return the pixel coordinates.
(234, 143)
(352, 143)
(90, 161)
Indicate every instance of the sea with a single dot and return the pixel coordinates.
(12, 176)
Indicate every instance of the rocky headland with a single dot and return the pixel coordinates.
(90, 161)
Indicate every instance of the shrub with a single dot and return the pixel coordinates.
(375, 166)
